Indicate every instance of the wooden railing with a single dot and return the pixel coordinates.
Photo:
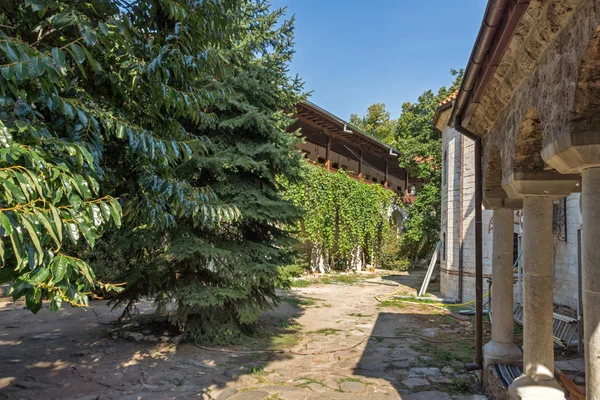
(405, 197)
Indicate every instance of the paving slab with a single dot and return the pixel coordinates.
(430, 395)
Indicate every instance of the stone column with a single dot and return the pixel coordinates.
(538, 348)
(579, 152)
(590, 202)
(501, 349)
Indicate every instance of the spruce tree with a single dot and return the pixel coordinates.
(221, 277)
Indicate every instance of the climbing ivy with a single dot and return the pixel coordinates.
(340, 213)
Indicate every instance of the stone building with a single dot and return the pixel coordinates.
(457, 256)
(530, 102)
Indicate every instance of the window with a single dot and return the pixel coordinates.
(445, 170)
(443, 255)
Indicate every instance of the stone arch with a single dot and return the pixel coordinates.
(586, 106)
(493, 172)
(528, 147)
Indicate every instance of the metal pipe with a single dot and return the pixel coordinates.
(461, 225)
(489, 25)
(478, 244)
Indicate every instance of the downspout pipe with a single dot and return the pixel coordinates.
(478, 364)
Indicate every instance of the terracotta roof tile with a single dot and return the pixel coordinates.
(449, 98)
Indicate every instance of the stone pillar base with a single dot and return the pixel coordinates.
(527, 389)
(501, 353)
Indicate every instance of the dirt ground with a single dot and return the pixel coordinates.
(325, 341)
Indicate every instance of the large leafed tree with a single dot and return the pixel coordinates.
(420, 149)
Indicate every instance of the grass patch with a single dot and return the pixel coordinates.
(358, 380)
(517, 329)
(460, 386)
(461, 351)
(278, 335)
(301, 283)
(326, 331)
(256, 370)
(330, 279)
(359, 315)
(392, 303)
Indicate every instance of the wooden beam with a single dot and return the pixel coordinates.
(385, 185)
(360, 163)
(328, 153)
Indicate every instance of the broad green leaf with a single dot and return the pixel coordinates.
(8, 72)
(5, 224)
(82, 186)
(73, 232)
(13, 190)
(59, 57)
(115, 211)
(15, 241)
(55, 303)
(96, 215)
(89, 37)
(103, 28)
(105, 209)
(85, 270)
(42, 218)
(59, 268)
(78, 53)
(10, 52)
(57, 221)
(31, 303)
(41, 275)
(33, 235)
(93, 63)
(37, 5)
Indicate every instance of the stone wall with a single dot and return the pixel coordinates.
(460, 169)
(451, 185)
(565, 246)
(549, 88)
(565, 255)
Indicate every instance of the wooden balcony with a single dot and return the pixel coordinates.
(404, 197)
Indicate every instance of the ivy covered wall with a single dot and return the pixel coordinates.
(344, 219)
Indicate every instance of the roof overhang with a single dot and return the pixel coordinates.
(441, 116)
(500, 21)
(333, 125)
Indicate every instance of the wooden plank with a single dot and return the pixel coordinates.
(425, 284)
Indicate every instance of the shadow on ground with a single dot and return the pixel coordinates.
(76, 354)
(419, 352)
(413, 279)
(339, 343)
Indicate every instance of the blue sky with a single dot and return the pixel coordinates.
(353, 53)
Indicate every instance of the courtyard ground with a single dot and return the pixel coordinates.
(329, 339)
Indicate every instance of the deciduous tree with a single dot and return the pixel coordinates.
(376, 122)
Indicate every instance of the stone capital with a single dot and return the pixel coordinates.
(497, 199)
(540, 183)
(573, 152)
